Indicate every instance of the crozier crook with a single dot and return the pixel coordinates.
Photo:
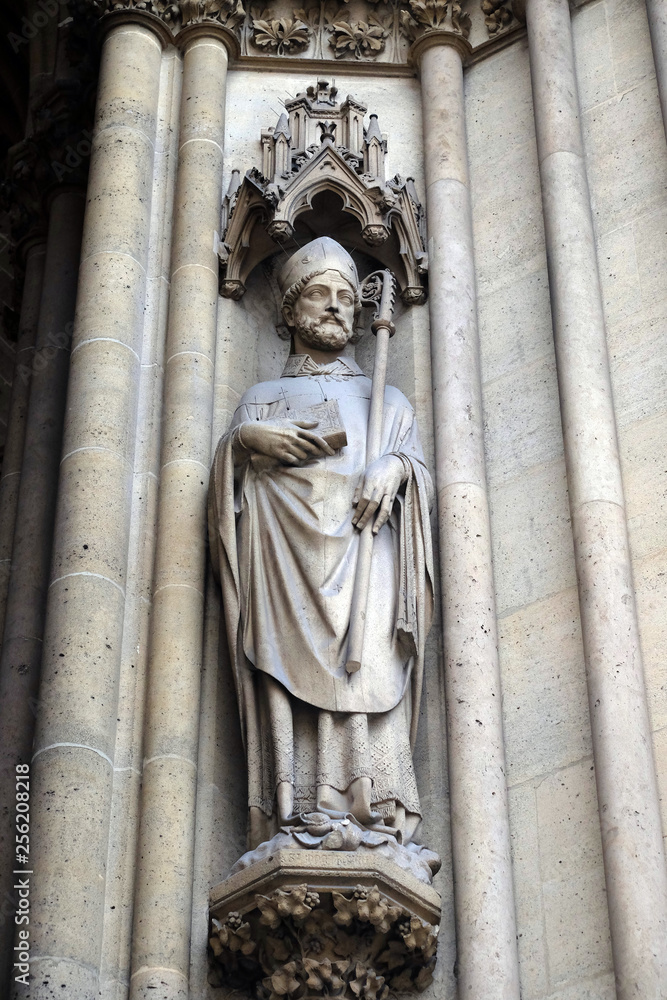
(379, 288)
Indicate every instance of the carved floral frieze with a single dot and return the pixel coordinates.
(357, 30)
(418, 16)
(298, 942)
(280, 35)
(359, 38)
(230, 13)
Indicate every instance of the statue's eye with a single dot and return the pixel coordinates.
(346, 299)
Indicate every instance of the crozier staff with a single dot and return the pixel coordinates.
(286, 511)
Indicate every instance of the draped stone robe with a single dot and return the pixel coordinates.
(285, 550)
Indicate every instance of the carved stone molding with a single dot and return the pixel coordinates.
(318, 923)
(319, 147)
(365, 31)
(420, 16)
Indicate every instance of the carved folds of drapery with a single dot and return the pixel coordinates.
(356, 30)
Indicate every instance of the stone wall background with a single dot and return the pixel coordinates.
(562, 916)
(627, 159)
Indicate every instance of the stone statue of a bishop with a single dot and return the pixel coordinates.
(290, 494)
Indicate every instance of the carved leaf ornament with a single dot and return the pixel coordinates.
(360, 39)
(231, 13)
(299, 943)
(435, 14)
(282, 35)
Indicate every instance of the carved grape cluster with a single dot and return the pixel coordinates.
(497, 15)
(299, 943)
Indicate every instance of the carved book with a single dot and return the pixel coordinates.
(329, 421)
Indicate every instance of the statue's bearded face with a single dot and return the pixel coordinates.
(323, 314)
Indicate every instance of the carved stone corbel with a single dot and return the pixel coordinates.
(322, 924)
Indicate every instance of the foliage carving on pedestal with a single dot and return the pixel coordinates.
(298, 943)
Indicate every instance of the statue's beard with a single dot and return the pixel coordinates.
(324, 336)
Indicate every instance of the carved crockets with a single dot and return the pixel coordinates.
(319, 149)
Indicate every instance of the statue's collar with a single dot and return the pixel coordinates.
(303, 364)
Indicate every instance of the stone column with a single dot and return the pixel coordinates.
(124, 822)
(484, 900)
(74, 743)
(632, 845)
(18, 409)
(163, 899)
(21, 656)
(657, 21)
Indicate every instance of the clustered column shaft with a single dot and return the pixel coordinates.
(21, 655)
(18, 411)
(163, 898)
(484, 900)
(124, 823)
(74, 743)
(657, 20)
(632, 846)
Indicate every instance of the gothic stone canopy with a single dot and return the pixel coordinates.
(319, 148)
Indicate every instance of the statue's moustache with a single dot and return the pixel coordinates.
(335, 317)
